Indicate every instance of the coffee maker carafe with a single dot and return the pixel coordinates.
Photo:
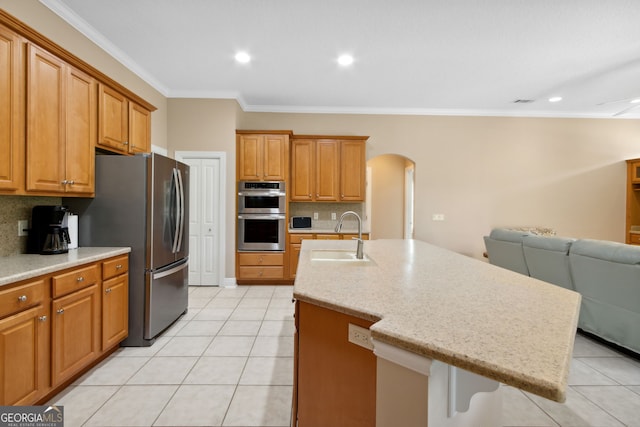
(47, 236)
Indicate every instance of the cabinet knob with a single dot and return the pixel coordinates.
(260, 274)
(260, 260)
(309, 194)
(107, 291)
(42, 318)
(342, 196)
(118, 267)
(60, 310)
(80, 279)
(22, 298)
(64, 182)
(71, 182)
(125, 142)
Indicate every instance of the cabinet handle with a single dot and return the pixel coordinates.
(309, 194)
(125, 142)
(22, 298)
(107, 291)
(71, 182)
(260, 274)
(260, 260)
(80, 279)
(64, 182)
(118, 267)
(60, 310)
(42, 318)
(342, 196)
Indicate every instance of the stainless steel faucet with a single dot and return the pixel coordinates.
(359, 249)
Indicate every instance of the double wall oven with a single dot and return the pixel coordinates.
(261, 215)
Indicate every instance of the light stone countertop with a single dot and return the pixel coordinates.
(449, 307)
(25, 266)
(344, 230)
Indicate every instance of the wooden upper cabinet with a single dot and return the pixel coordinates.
(11, 117)
(262, 157)
(302, 170)
(327, 170)
(113, 119)
(139, 129)
(61, 108)
(324, 169)
(352, 171)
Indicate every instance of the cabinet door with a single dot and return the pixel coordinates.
(635, 172)
(249, 157)
(113, 117)
(294, 257)
(11, 117)
(45, 121)
(302, 176)
(327, 170)
(139, 129)
(352, 171)
(75, 332)
(115, 310)
(24, 356)
(80, 133)
(275, 155)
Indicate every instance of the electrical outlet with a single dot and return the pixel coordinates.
(437, 217)
(23, 225)
(360, 336)
(333, 216)
(315, 216)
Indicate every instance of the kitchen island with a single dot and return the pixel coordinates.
(439, 326)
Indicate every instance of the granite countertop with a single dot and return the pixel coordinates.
(25, 266)
(452, 308)
(315, 230)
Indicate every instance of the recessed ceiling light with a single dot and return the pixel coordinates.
(243, 57)
(345, 60)
(635, 101)
(555, 99)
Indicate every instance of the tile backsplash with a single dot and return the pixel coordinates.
(325, 210)
(12, 210)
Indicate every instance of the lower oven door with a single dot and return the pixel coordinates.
(261, 232)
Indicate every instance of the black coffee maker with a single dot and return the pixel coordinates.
(47, 236)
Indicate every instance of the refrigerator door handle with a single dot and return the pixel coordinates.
(169, 272)
(174, 246)
(181, 208)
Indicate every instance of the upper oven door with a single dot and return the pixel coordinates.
(264, 202)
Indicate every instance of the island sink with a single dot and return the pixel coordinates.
(339, 256)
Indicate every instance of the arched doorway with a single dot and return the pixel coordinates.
(390, 198)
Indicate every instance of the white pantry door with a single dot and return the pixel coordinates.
(206, 234)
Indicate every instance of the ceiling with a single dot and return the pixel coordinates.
(459, 57)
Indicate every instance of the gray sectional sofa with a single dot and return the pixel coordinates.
(606, 274)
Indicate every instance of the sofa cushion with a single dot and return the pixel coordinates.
(547, 259)
(504, 249)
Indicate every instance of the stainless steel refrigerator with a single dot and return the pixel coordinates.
(142, 201)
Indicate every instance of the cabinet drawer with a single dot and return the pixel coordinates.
(298, 238)
(115, 267)
(255, 272)
(634, 238)
(74, 280)
(260, 259)
(21, 297)
(328, 236)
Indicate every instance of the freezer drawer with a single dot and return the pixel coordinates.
(166, 297)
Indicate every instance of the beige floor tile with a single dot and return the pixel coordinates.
(260, 292)
(240, 328)
(588, 347)
(245, 313)
(237, 292)
(198, 302)
(621, 370)
(143, 351)
(214, 313)
(219, 302)
(173, 329)
(197, 405)
(254, 302)
(577, 411)
(583, 374)
(279, 314)
(268, 371)
(113, 371)
(133, 406)
(81, 402)
(283, 292)
(281, 303)
(270, 406)
(164, 370)
(200, 328)
(203, 291)
(635, 389)
(185, 346)
(216, 371)
(230, 346)
(273, 347)
(277, 328)
(620, 402)
(519, 411)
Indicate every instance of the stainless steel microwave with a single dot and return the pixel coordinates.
(262, 197)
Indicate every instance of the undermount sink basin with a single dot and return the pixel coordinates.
(339, 256)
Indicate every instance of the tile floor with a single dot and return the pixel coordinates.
(228, 362)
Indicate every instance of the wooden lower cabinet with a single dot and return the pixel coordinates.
(75, 332)
(334, 379)
(55, 327)
(24, 344)
(260, 266)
